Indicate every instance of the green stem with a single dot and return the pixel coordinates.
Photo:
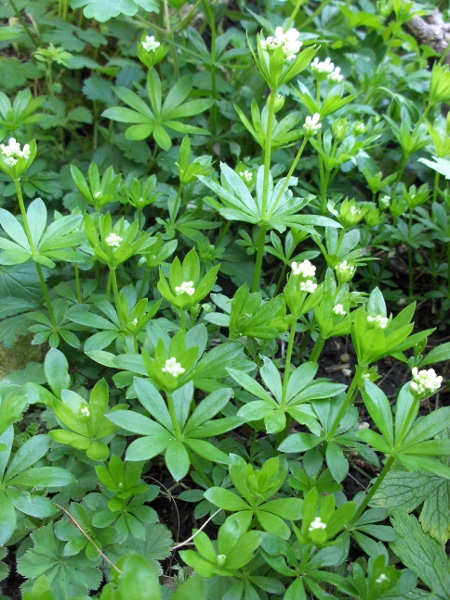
(183, 320)
(294, 14)
(287, 364)
(317, 349)
(410, 258)
(23, 23)
(368, 497)
(200, 471)
(34, 253)
(317, 12)
(259, 257)
(289, 175)
(173, 416)
(266, 189)
(113, 279)
(268, 153)
(78, 284)
(349, 398)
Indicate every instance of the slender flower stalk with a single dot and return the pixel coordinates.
(26, 225)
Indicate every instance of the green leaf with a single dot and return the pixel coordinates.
(420, 553)
(33, 449)
(67, 575)
(380, 410)
(177, 460)
(43, 477)
(57, 371)
(336, 462)
(225, 499)
(438, 354)
(7, 518)
(402, 489)
(103, 10)
(139, 580)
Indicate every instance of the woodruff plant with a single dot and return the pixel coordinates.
(179, 362)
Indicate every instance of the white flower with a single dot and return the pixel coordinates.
(343, 268)
(378, 321)
(247, 175)
(338, 309)
(325, 66)
(385, 201)
(382, 577)
(355, 211)
(135, 321)
(364, 424)
(311, 125)
(336, 76)
(425, 382)
(172, 367)
(150, 44)
(113, 240)
(287, 41)
(317, 524)
(85, 411)
(305, 268)
(12, 152)
(360, 128)
(308, 286)
(187, 287)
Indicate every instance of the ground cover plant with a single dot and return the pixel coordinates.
(224, 271)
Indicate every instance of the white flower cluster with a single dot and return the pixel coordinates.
(187, 287)
(305, 268)
(150, 44)
(12, 152)
(327, 68)
(317, 524)
(172, 367)
(355, 211)
(288, 41)
(135, 321)
(312, 125)
(425, 382)
(85, 412)
(338, 309)
(343, 268)
(382, 577)
(378, 321)
(247, 175)
(113, 240)
(385, 201)
(308, 286)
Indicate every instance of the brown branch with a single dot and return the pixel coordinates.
(432, 31)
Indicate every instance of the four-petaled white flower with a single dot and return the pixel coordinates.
(113, 240)
(378, 321)
(308, 286)
(338, 309)
(317, 524)
(288, 41)
(311, 125)
(150, 44)
(12, 152)
(187, 287)
(425, 382)
(305, 268)
(172, 367)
